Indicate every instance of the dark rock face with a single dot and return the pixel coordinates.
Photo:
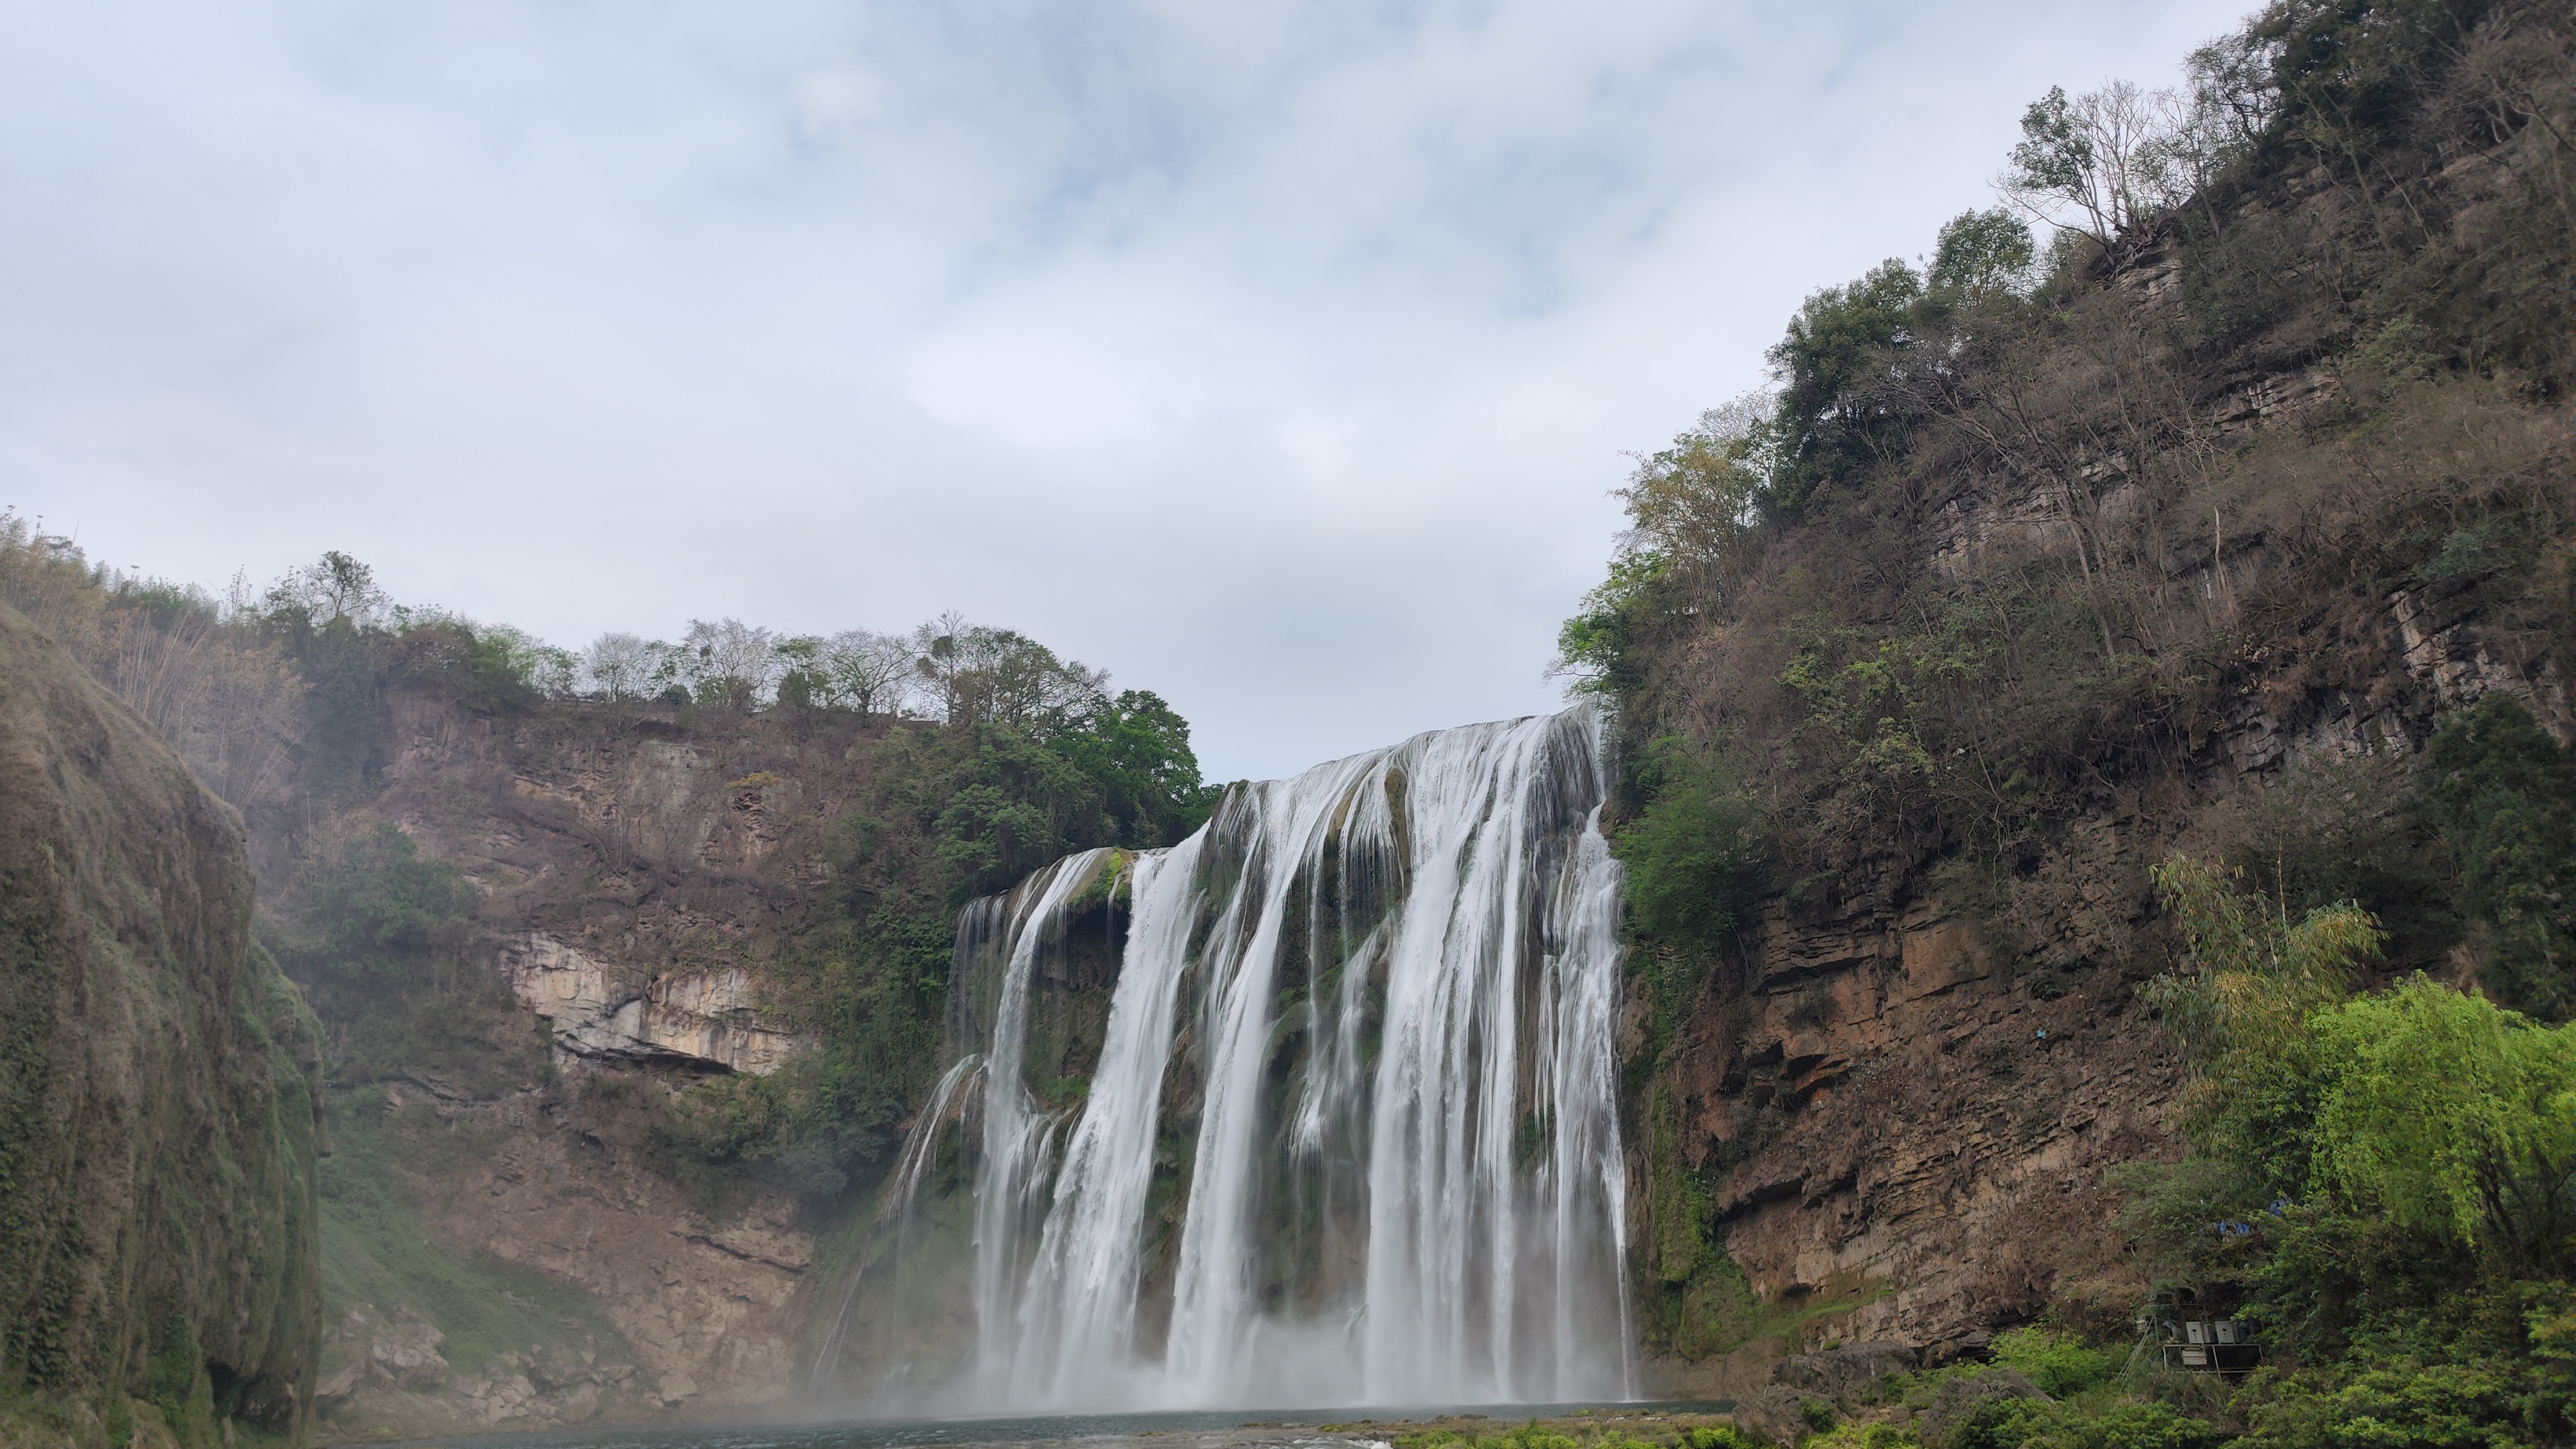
(1850, 1377)
(158, 1123)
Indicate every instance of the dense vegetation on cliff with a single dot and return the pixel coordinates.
(159, 1133)
(2234, 522)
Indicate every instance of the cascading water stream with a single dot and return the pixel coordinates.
(1351, 1134)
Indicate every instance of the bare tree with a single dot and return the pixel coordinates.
(2100, 163)
(936, 647)
(973, 674)
(618, 666)
(729, 662)
(867, 671)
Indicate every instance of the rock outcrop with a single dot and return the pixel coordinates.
(158, 1077)
(703, 1019)
(630, 880)
(1911, 1130)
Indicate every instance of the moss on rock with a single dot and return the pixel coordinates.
(158, 1123)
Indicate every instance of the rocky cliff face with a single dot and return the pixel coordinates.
(599, 1012)
(632, 879)
(158, 1084)
(635, 1301)
(1907, 1144)
(1898, 1103)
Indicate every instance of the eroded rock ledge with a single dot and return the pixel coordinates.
(601, 1011)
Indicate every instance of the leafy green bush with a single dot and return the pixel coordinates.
(2009, 1424)
(1691, 854)
(2400, 1405)
(383, 909)
(2136, 1424)
(2058, 1363)
(1851, 1434)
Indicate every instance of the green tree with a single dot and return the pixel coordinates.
(334, 587)
(1692, 542)
(2105, 161)
(1980, 254)
(1137, 748)
(2239, 1005)
(2504, 791)
(2454, 1118)
(1692, 852)
(1833, 369)
(2250, 975)
(1598, 649)
(384, 910)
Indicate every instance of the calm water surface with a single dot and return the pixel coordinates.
(1186, 1429)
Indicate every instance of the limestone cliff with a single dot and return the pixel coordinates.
(510, 1250)
(158, 1125)
(1894, 1105)
(2137, 576)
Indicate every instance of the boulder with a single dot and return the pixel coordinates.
(1778, 1414)
(1850, 1376)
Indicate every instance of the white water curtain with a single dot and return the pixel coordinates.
(1386, 989)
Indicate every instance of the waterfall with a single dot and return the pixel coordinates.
(1350, 1134)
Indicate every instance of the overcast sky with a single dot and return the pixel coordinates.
(1277, 357)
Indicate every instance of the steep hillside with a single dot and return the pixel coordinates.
(2236, 531)
(159, 1269)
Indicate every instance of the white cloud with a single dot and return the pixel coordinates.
(1278, 358)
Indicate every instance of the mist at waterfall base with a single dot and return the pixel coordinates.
(1159, 1429)
(1347, 1135)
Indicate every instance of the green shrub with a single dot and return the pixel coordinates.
(383, 909)
(2058, 1363)
(2396, 1406)
(1851, 1435)
(1691, 854)
(2008, 1424)
(2149, 1425)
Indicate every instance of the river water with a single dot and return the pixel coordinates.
(1184, 1429)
